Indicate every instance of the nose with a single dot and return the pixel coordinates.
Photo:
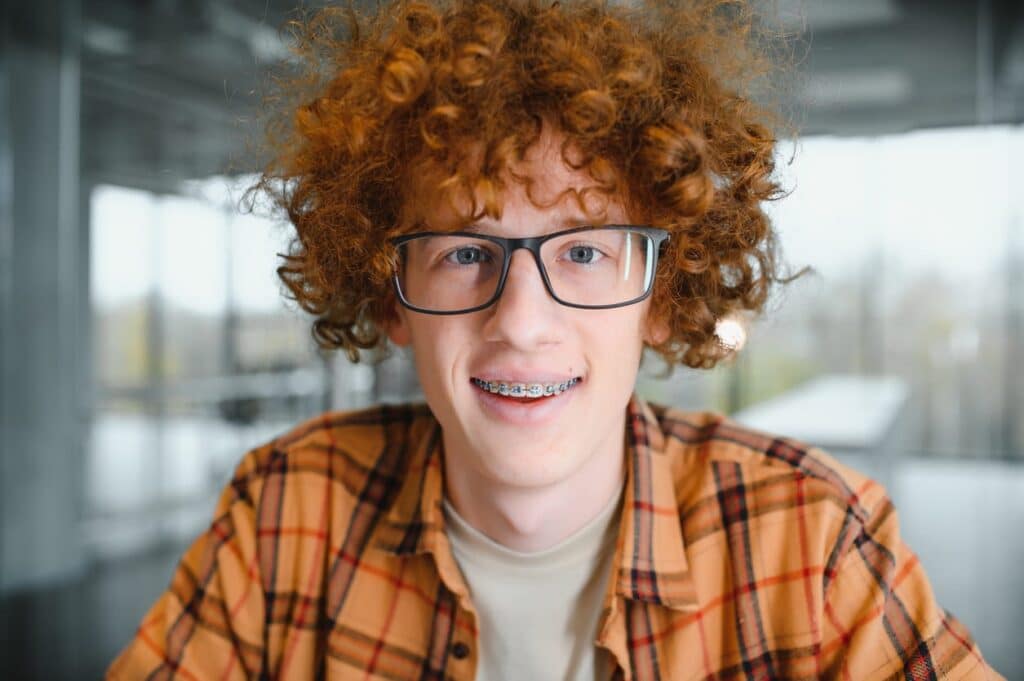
(524, 316)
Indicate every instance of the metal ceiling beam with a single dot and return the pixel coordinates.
(143, 90)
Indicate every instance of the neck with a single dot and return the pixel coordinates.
(531, 519)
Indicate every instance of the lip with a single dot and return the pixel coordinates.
(521, 375)
(537, 412)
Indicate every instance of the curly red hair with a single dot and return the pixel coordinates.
(649, 101)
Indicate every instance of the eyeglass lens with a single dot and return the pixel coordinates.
(592, 267)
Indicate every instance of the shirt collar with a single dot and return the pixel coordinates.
(650, 557)
(650, 561)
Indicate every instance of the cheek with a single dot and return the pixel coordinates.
(437, 343)
(614, 340)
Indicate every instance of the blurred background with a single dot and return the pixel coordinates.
(145, 346)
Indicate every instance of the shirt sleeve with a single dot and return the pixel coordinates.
(881, 619)
(209, 622)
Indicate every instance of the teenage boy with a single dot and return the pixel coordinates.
(527, 196)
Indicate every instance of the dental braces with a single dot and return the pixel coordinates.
(525, 389)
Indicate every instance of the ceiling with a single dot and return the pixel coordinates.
(169, 87)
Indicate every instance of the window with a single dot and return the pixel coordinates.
(197, 358)
(916, 307)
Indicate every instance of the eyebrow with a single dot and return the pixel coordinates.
(565, 223)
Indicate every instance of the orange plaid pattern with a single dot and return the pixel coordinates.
(739, 556)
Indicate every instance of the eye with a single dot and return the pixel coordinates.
(467, 255)
(584, 255)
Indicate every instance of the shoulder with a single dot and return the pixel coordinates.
(726, 473)
(344, 447)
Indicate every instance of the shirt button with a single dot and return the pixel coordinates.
(460, 650)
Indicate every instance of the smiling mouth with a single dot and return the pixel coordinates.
(525, 392)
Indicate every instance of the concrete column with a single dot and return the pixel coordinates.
(43, 303)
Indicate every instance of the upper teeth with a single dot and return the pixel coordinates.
(525, 389)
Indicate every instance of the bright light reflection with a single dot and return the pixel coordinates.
(731, 333)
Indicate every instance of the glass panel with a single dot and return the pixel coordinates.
(238, 365)
(913, 320)
(255, 243)
(123, 467)
(193, 286)
(154, 476)
(268, 334)
(122, 278)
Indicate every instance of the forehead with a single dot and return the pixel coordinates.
(541, 187)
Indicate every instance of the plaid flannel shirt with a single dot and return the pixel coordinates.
(739, 556)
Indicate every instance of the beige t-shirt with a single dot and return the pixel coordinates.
(538, 612)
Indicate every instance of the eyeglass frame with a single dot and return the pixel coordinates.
(533, 244)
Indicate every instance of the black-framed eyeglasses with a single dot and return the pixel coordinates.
(585, 267)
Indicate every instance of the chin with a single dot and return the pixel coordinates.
(512, 470)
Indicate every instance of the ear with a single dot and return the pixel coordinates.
(397, 326)
(656, 330)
